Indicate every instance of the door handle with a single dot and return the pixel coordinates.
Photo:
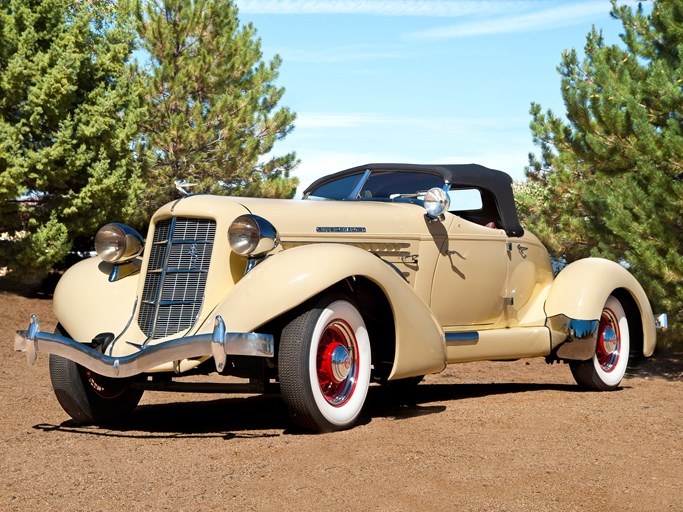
(522, 250)
(412, 258)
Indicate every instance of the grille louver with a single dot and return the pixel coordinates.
(179, 260)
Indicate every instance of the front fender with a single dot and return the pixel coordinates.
(582, 288)
(86, 303)
(289, 278)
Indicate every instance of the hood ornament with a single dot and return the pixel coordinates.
(182, 186)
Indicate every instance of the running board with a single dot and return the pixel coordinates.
(497, 344)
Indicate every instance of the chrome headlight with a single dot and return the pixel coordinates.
(436, 202)
(118, 243)
(251, 235)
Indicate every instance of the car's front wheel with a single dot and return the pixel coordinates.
(88, 397)
(324, 363)
(604, 371)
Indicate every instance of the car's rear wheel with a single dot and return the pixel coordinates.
(88, 397)
(604, 371)
(324, 365)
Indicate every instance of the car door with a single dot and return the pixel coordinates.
(470, 277)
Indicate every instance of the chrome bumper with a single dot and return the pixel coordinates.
(581, 337)
(218, 344)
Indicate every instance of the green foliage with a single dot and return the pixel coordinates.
(528, 200)
(69, 111)
(610, 176)
(213, 114)
(87, 138)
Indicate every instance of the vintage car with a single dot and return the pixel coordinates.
(381, 274)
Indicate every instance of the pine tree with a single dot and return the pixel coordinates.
(214, 115)
(69, 106)
(612, 173)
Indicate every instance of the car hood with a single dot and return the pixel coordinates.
(306, 218)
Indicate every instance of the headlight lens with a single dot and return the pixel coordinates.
(436, 202)
(118, 243)
(251, 235)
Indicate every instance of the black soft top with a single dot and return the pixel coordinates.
(495, 186)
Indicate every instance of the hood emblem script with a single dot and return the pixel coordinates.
(339, 229)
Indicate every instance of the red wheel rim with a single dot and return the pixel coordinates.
(608, 348)
(337, 362)
(106, 392)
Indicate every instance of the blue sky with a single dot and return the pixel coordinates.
(441, 81)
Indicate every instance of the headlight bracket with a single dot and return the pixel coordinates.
(121, 270)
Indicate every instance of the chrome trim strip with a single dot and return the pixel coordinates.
(218, 344)
(170, 302)
(130, 320)
(172, 270)
(174, 241)
(459, 339)
(383, 248)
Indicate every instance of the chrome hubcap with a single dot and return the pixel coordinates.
(609, 340)
(340, 363)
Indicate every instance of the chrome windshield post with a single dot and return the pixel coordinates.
(359, 186)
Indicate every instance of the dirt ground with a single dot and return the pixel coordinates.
(512, 436)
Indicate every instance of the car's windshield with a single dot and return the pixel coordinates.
(379, 185)
(339, 189)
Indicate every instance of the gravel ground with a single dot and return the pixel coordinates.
(509, 436)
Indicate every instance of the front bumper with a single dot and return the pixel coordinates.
(218, 344)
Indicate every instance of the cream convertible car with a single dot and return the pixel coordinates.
(383, 273)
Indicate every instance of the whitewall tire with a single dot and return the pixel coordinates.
(604, 371)
(324, 365)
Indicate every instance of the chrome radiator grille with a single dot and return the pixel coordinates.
(176, 275)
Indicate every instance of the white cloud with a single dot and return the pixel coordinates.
(442, 8)
(343, 54)
(547, 19)
(317, 120)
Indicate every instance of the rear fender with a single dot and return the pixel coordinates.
(579, 294)
(289, 278)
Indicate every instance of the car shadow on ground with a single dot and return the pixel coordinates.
(405, 402)
(663, 365)
(266, 415)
